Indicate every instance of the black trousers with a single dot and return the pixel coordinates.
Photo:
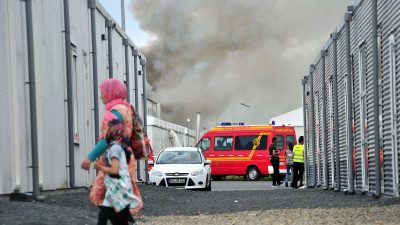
(123, 217)
(275, 177)
(298, 171)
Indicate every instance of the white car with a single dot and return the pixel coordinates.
(181, 167)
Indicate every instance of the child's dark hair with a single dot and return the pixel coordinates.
(115, 132)
(290, 145)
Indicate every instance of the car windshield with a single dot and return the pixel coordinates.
(179, 157)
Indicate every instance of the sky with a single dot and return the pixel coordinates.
(138, 36)
(238, 61)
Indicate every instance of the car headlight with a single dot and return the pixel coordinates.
(157, 173)
(197, 172)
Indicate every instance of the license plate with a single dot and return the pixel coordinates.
(177, 181)
(281, 163)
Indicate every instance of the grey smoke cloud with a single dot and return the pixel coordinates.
(211, 55)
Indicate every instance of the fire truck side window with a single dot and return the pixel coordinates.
(289, 139)
(204, 144)
(247, 142)
(223, 143)
(279, 141)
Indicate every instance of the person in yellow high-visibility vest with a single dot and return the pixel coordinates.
(298, 163)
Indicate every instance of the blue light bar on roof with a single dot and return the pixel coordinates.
(232, 124)
(225, 123)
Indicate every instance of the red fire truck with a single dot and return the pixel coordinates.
(244, 150)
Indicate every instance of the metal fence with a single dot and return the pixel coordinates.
(352, 142)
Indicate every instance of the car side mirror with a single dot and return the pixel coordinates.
(207, 162)
(150, 162)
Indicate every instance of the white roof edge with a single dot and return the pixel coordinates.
(294, 118)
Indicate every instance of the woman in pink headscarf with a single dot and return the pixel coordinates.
(113, 94)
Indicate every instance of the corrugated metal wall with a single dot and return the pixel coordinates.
(329, 114)
(318, 119)
(342, 101)
(370, 118)
(310, 141)
(390, 97)
(361, 60)
(360, 46)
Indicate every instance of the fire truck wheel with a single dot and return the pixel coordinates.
(216, 177)
(253, 174)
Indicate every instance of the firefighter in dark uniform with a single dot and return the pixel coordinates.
(274, 159)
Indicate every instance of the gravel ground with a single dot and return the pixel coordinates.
(171, 206)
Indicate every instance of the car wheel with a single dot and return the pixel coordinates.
(208, 186)
(253, 174)
(217, 178)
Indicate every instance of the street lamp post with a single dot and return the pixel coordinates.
(197, 126)
(187, 128)
(245, 106)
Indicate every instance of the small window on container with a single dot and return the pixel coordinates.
(251, 142)
(223, 143)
